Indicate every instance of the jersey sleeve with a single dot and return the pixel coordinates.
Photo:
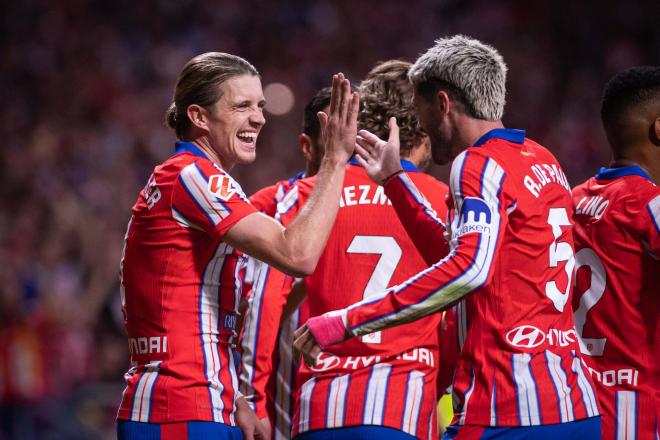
(478, 223)
(650, 227)
(260, 331)
(265, 200)
(205, 197)
(419, 217)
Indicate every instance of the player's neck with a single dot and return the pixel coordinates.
(646, 158)
(474, 129)
(203, 144)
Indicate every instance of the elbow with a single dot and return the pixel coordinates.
(301, 267)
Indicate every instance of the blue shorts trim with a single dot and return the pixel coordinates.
(585, 429)
(364, 432)
(195, 430)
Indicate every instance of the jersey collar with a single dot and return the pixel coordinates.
(508, 134)
(300, 175)
(615, 173)
(405, 164)
(188, 147)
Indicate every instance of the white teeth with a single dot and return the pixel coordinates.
(247, 136)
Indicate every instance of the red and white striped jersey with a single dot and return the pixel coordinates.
(512, 252)
(617, 301)
(179, 294)
(267, 367)
(368, 250)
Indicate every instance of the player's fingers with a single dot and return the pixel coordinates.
(353, 107)
(323, 121)
(369, 136)
(315, 352)
(365, 144)
(358, 156)
(297, 336)
(394, 131)
(344, 99)
(334, 93)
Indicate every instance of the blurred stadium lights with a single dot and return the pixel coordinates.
(279, 99)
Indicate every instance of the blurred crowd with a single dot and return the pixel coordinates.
(85, 85)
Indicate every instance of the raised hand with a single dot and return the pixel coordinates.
(379, 158)
(339, 125)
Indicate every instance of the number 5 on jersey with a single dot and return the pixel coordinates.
(390, 254)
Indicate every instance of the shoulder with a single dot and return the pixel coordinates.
(204, 175)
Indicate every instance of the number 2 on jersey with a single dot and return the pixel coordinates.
(390, 254)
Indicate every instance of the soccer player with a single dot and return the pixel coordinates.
(617, 243)
(178, 295)
(266, 378)
(510, 268)
(382, 385)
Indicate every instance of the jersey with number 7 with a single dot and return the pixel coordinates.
(386, 378)
(512, 260)
(617, 297)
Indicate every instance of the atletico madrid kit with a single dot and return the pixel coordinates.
(511, 261)
(617, 297)
(386, 378)
(179, 294)
(266, 377)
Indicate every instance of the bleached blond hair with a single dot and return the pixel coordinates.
(471, 69)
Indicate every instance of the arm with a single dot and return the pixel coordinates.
(419, 219)
(383, 165)
(297, 248)
(477, 227)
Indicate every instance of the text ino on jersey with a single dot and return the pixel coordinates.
(543, 174)
(593, 206)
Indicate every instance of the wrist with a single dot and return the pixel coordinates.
(387, 179)
(329, 328)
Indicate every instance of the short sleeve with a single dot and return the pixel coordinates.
(207, 198)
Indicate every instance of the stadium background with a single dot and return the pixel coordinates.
(84, 88)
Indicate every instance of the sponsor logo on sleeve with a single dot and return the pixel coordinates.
(222, 186)
(475, 216)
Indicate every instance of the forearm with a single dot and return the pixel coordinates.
(307, 235)
(419, 219)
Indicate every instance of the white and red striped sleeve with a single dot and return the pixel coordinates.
(651, 225)
(205, 197)
(418, 217)
(476, 230)
(262, 321)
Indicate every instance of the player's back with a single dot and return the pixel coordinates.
(616, 303)
(519, 363)
(368, 251)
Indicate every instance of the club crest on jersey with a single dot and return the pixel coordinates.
(222, 186)
(475, 216)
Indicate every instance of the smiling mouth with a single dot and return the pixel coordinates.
(247, 137)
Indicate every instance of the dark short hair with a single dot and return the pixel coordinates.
(386, 92)
(310, 123)
(628, 89)
(198, 84)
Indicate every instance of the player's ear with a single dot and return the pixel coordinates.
(305, 143)
(443, 102)
(198, 116)
(655, 132)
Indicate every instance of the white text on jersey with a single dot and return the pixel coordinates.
(543, 174)
(363, 195)
(151, 192)
(593, 206)
(154, 344)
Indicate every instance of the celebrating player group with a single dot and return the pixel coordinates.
(342, 303)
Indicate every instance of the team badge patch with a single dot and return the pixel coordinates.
(222, 186)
